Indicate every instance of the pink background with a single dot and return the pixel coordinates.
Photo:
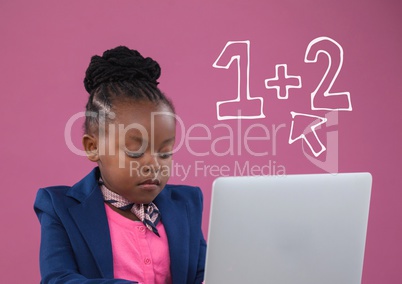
(46, 46)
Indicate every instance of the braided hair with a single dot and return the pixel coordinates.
(120, 73)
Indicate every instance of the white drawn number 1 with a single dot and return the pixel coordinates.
(243, 92)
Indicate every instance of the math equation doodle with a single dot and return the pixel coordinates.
(321, 98)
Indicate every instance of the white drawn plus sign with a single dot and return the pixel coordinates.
(281, 71)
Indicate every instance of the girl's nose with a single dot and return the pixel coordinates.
(151, 163)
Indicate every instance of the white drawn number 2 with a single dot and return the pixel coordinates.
(323, 89)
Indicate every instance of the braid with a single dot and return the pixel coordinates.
(120, 73)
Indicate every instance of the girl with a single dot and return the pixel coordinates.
(123, 223)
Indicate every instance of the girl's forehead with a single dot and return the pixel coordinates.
(142, 111)
(143, 120)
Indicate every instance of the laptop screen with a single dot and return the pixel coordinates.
(295, 229)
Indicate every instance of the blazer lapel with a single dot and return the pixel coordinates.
(90, 217)
(176, 223)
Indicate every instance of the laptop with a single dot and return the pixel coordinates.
(294, 229)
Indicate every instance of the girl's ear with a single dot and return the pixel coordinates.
(91, 147)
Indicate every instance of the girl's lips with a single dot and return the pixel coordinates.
(149, 184)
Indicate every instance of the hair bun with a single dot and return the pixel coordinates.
(118, 65)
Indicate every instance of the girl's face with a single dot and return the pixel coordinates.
(137, 150)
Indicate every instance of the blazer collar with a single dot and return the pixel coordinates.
(85, 187)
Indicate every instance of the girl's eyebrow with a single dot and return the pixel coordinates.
(141, 140)
(169, 140)
(136, 138)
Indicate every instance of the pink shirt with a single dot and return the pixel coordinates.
(138, 254)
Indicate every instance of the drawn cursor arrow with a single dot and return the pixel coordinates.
(316, 121)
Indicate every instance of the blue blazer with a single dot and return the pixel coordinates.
(75, 238)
